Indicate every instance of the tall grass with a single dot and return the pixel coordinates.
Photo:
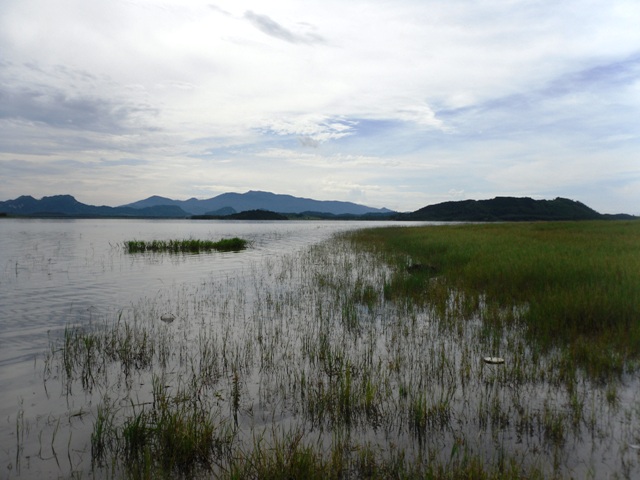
(577, 284)
(185, 246)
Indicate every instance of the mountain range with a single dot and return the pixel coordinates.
(157, 207)
(266, 205)
(229, 203)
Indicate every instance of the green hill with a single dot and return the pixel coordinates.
(505, 209)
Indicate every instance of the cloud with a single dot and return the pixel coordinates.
(616, 74)
(594, 103)
(420, 114)
(64, 98)
(122, 162)
(216, 8)
(311, 130)
(272, 28)
(55, 108)
(308, 142)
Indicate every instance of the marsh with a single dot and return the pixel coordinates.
(327, 357)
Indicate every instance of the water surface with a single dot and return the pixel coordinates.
(55, 273)
(302, 333)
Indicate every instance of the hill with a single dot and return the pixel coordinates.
(506, 209)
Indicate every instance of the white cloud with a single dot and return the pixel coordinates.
(272, 28)
(315, 127)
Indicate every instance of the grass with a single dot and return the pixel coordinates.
(362, 358)
(185, 246)
(172, 435)
(576, 284)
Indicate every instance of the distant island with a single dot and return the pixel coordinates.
(255, 205)
(246, 215)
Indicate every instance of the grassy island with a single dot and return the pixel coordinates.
(185, 246)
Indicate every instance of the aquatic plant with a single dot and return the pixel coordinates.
(185, 246)
(355, 359)
(574, 283)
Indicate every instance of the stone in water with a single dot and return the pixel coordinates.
(493, 360)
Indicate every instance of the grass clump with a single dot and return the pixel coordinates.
(171, 436)
(185, 246)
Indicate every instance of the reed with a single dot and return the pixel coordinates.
(172, 435)
(185, 246)
(575, 283)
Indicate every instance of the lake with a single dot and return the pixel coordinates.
(54, 273)
(287, 345)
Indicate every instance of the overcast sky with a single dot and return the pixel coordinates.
(396, 104)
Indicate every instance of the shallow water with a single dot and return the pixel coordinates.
(280, 328)
(56, 272)
(59, 272)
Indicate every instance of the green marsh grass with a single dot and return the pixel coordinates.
(577, 285)
(185, 246)
(361, 357)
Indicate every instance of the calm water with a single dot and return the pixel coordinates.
(258, 302)
(59, 272)
(56, 272)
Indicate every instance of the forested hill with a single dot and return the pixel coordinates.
(507, 209)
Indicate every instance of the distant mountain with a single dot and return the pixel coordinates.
(68, 206)
(257, 204)
(506, 209)
(222, 212)
(162, 207)
(256, 200)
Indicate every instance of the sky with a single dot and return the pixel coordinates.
(397, 104)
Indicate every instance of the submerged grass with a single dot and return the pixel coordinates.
(577, 284)
(185, 246)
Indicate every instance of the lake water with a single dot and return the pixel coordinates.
(54, 273)
(286, 327)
